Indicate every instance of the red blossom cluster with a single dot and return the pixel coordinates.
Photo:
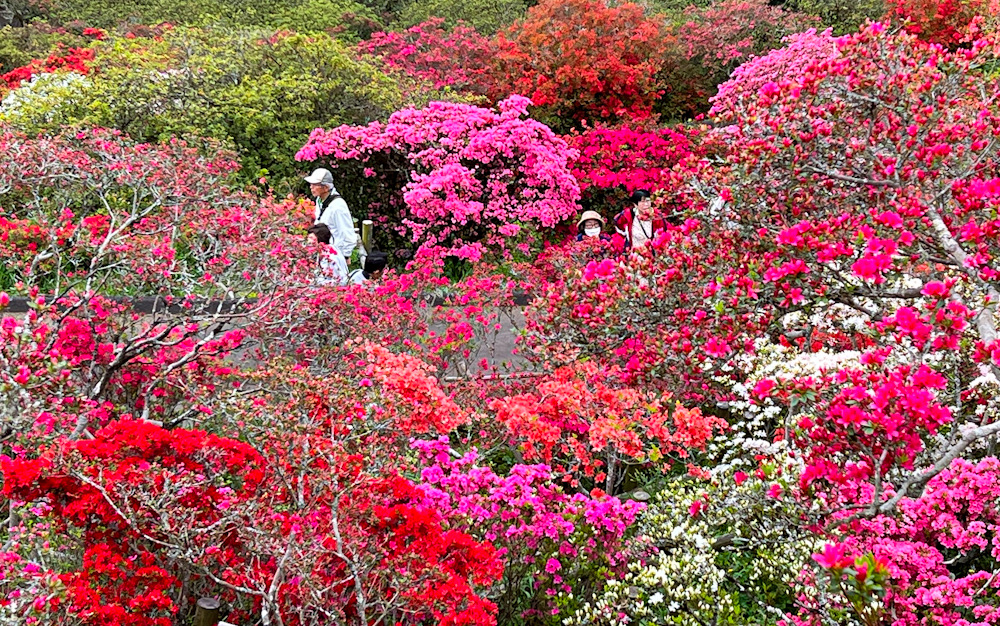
(631, 158)
(944, 22)
(582, 427)
(70, 59)
(585, 60)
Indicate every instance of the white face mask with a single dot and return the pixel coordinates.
(592, 232)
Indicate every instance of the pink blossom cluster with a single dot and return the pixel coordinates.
(527, 516)
(460, 58)
(477, 178)
(955, 520)
(783, 65)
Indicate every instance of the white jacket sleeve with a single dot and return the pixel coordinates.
(338, 218)
(333, 267)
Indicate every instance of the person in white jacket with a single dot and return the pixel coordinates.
(332, 265)
(332, 210)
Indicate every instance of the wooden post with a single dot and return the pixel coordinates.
(207, 612)
(366, 235)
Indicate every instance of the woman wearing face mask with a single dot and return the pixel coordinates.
(591, 224)
(639, 225)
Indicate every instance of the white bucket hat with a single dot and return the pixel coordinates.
(320, 176)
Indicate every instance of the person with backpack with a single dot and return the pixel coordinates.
(332, 210)
(639, 225)
(375, 262)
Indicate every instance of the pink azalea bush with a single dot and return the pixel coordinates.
(474, 181)
(800, 52)
(907, 562)
(554, 541)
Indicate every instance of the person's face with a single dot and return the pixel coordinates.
(645, 209)
(591, 224)
(312, 239)
(319, 190)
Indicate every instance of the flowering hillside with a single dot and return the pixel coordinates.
(689, 315)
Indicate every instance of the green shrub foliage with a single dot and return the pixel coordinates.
(263, 94)
(486, 16)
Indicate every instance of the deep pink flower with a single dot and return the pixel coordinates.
(834, 556)
(697, 507)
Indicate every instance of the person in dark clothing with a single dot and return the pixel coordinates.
(375, 262)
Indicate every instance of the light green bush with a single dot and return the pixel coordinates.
(486, 16)
(843, 16)
(345, 16)
(261, 94)
(346, 19)
(18, 46)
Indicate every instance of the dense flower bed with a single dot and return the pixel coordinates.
(781, 409)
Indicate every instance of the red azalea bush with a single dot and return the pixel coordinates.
(725, 34)
(630, 158)
(203, 499)
(614, 162)
(584, 60)
(586, 429)
(946, 22)
(33, 42)
(69, 59)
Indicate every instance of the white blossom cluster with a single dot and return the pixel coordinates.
(679, 585)
(40, 96)
(989, 387)
(752, 421)
(717, 565)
